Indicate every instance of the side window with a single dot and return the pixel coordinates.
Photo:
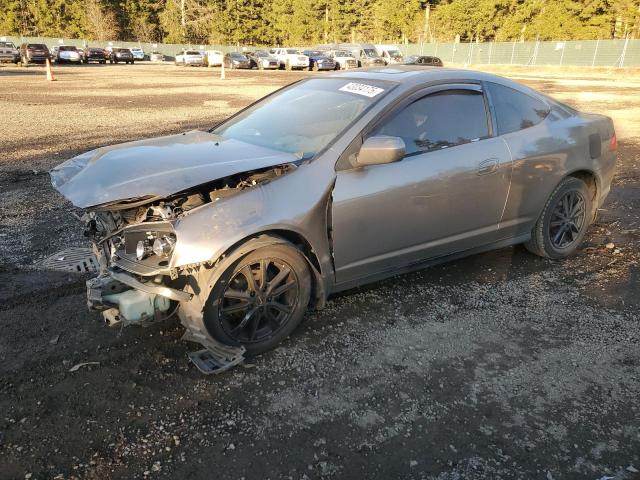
(440, 120)
(515, 110)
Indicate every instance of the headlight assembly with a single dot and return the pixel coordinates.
(155, 243)
(163, 246)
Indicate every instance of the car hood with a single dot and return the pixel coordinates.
(158, 167)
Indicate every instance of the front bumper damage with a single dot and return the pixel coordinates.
(125, 300)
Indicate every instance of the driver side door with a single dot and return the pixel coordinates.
(446, 195)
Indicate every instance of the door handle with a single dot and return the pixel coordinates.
(488, 166)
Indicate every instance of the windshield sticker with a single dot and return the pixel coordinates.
(362, 89)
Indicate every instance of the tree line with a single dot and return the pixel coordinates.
(305, 22)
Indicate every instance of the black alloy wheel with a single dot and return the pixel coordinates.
(260, 299)
(567, 220)
(564, 221)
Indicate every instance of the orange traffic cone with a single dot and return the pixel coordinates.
(49, 71)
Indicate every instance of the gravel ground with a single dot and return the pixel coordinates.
(498, 366)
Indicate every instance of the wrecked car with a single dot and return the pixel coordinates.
(327, 184)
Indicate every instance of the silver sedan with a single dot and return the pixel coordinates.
(327, 184)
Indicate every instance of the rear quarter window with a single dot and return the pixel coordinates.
(515, 110)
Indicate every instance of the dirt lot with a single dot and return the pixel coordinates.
(502, 365)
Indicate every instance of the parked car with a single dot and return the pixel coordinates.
(33, 53)
(236, 60)
(66, 54)
(343, 59)
(118, 55)
(262, 60)
(319, 60)
(389, 53)
(138, 53)
(365, 53)
(290, 58)
(94, 54)
(243, 227)
(425, 60)
(156, 57)
(9, 53)
(213, 58)
(189, 57)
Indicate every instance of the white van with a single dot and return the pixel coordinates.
(389, 53)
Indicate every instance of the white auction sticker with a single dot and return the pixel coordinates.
(362, 89)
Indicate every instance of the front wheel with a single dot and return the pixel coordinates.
(260, 299)
(564, 221)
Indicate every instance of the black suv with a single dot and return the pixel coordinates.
(94, 54)
(33, 53)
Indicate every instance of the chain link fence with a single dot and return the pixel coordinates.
(593, 53)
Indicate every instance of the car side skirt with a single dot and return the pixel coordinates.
(507, 242)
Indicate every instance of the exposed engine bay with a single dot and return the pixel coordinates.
(133, 241)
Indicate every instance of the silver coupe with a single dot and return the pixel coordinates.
(326, 184)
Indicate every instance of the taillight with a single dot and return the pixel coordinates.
(613, 143)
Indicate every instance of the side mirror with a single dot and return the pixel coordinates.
(380, 149)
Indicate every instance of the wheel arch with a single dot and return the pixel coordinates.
(591, 179)
(273, 237)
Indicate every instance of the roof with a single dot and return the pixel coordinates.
(411, 75)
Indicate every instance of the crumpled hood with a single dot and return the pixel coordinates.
(158, 167)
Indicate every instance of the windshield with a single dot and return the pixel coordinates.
(394, 53)
(7, 44)
(36, 45)
(292, 51)
(341, 53)
(314, 53)
(261, 54)
(192, 53)
(369, 52)
(237, 55)
(68, 49)
(282, 121)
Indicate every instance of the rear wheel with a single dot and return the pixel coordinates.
(564, 221)
(260, 299)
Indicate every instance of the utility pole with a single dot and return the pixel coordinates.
(183, 20)
(326, 23)
(427, 26)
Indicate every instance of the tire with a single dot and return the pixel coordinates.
(553, 237)
(266, 326)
